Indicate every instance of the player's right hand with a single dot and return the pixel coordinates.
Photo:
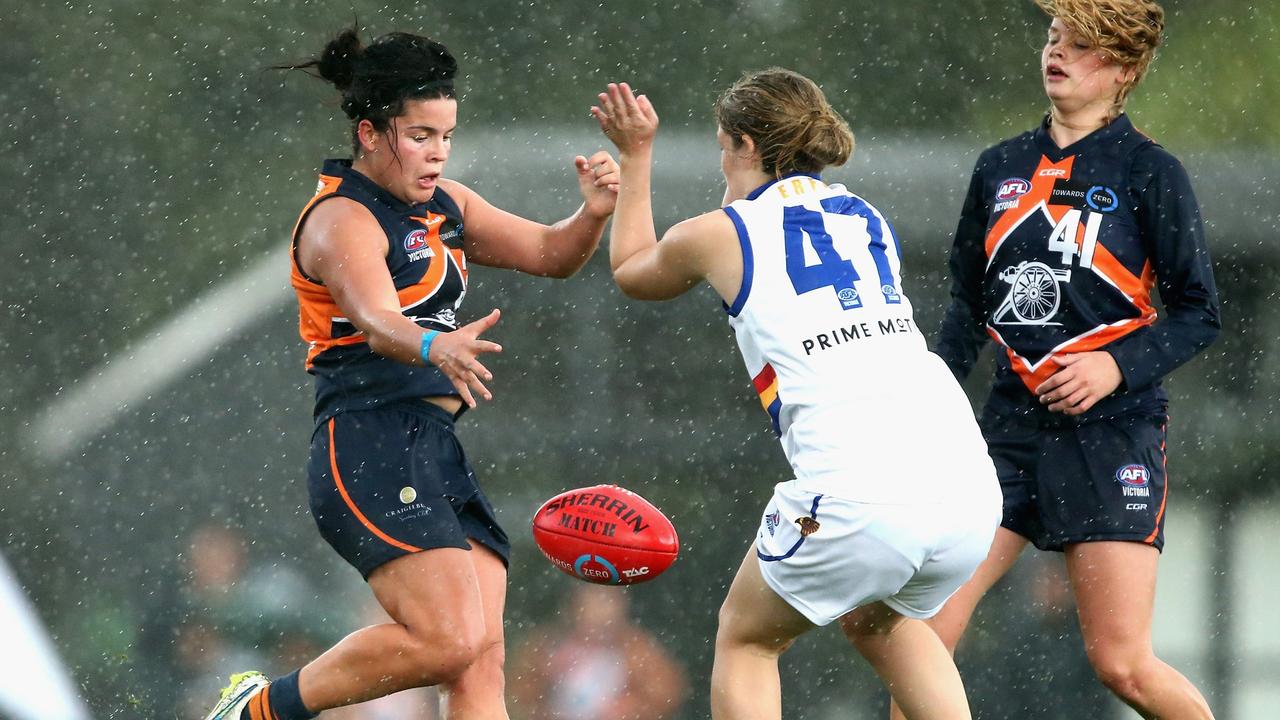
(627, 119)
(457, 355)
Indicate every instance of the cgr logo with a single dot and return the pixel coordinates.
(1133, 475)
(1012, 188)
(1052, 172)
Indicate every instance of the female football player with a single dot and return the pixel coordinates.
(894, 499)
(1065, 231)
(380, 260)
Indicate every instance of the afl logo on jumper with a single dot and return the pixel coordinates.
(415, 243)
(1008, 192)
(1012, 188)
(1135, 480)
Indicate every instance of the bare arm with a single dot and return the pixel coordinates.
(497, 238)
(342, 246)
(689, 252)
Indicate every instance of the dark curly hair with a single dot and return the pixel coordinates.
(377, 79)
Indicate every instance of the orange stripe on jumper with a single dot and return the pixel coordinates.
(342, 490)
(1164, 460)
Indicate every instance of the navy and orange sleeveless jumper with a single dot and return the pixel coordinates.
(429, 269)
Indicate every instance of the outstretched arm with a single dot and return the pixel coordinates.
(643, 268)
(497, 238)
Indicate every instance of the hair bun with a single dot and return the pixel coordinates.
(337, 63)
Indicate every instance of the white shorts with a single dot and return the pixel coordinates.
(911, 557)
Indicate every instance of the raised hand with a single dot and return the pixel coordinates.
(457, 355)
(628, 120)
(598, 181)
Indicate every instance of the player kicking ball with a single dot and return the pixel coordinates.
(894, 501)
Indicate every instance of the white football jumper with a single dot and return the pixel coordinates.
(894, 496)
(863, 409)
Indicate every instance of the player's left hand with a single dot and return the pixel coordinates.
(598, 181)
(1082, 380)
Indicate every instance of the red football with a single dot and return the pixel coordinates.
(604, 534)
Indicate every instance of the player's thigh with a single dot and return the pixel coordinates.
(435, 594)
(1115, 586)
(951, 621)
(491, 576)
(753, 614)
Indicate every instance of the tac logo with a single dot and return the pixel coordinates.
(594, 567)
(1052, 172)
(1012, 188)
(415, 241)
(1102, 199)
(408, 495)
(771, 521)
(1133, 476)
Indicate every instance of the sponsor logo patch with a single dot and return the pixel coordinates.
(1102, 199)
(1135, 481)
(849, 298)
(415, 243)
(1011, 189)
(771, 521)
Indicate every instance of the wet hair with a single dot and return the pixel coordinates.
(793, 126)
(1125, 31)
(378, 79)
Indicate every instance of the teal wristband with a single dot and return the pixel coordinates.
(425, 351)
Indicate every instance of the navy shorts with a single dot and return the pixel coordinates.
(394, 480)
(1101, 480)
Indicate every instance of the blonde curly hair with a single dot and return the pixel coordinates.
(1126, 31)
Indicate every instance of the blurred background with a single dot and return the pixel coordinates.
(155, 424)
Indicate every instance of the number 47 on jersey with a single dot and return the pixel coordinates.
(800, 224)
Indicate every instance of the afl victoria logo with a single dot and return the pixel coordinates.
(416, 240)
(1012, 188)
(1133, 475)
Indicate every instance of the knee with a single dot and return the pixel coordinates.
(445, 657)
(736, 631)
(1123, 672)
(486, 673)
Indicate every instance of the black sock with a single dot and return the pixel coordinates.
(286, 702)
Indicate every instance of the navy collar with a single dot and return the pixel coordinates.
(757, 192)
(1113, 131)
(341, 167)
